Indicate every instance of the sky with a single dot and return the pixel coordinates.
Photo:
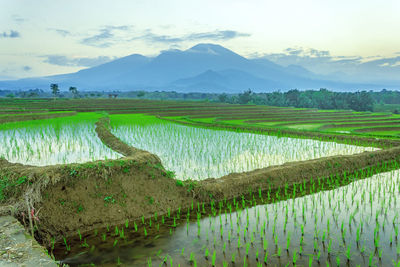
(345, 37)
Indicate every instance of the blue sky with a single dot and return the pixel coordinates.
(50, 37)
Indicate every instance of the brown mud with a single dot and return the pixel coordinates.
(68, 198)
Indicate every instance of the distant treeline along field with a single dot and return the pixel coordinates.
(384, 100)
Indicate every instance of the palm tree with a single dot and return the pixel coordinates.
(74, 91)
(54, 89)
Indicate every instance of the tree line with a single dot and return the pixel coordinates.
(321, 99)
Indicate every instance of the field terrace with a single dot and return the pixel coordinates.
(137, 187)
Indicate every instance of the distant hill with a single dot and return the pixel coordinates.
(202, 68)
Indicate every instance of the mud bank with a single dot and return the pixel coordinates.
(59, 200)
(274, 177)
(113, 142)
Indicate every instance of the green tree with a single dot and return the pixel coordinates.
(222, 97)
(292, 97)
(245, 97)
(54, 89)
(74, 91)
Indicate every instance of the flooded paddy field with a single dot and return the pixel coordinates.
(200, 153)
(354, 225)
(54, 141)
(317, 222)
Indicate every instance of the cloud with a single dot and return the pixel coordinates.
(320, 61)
(346, 68)
(18, 19)
(61, 60)
(216, 35)
(151, 37)
(61, 32)
(107, 36)
(110, 35)
(27, 68)
(12, 34)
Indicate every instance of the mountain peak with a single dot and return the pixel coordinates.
(209, 49)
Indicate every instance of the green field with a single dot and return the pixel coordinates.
(292, 187)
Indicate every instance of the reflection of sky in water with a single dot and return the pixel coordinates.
(198, 153)
(47, 145)
(358, 206)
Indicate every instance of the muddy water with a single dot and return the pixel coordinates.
(197, 153)
(352, 225)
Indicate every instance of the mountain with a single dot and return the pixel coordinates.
(224, 81)
(202, 68)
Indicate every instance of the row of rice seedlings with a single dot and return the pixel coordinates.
(357, 224)
(198, 153)
(54, 144)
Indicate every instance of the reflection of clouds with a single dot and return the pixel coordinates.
(48, 146)
(200, 153)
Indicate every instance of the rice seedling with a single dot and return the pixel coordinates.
(55, 141)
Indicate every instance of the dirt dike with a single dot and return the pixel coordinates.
(274, 177)
(366, 124)
(377, 129)
(59, 200)
(28, 117)
(104, 133)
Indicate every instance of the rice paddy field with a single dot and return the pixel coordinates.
(349, 218)
(200, 153)
(53, 141)
(355, 225)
